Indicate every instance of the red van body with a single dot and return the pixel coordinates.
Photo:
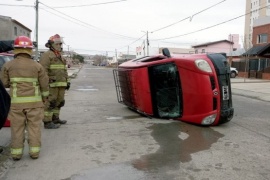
(192, 88)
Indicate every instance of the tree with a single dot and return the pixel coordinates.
(78, 57)
(98, 59)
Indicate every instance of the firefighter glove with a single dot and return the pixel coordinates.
(68, 86)
(52, 105)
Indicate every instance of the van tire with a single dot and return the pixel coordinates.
(233, 74)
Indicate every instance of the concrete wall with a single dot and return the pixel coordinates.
(7, 26)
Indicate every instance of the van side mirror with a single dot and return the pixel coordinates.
(166, 52)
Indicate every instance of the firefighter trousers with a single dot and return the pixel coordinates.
(29, 120)
(55, 102)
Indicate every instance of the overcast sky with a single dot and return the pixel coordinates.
(97, 26)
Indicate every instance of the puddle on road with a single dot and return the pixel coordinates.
(177, 142)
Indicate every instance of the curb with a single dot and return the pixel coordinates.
(251, 94)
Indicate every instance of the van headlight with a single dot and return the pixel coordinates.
(209, 119)
(203, 65)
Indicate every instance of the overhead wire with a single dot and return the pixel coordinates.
(16, 5)
(76, 20)
(209, 26)
(189, 17)
(132, 42)
(92, 26)
(63, 17)
(87, 25)
(74, 6)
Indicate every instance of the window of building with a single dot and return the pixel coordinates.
(203, 50)
(262, 38)
(15, 31)
(196, 51)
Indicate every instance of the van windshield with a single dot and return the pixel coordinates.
(165, 88)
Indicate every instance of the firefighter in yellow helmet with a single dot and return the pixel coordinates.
(55, 66)
(29, 89)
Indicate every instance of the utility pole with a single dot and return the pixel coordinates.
(128, 51)
(36, 48)
(231, 49)
(116, 58)
(147, 43)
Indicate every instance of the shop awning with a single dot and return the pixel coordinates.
(261, 50)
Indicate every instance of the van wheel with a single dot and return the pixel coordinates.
(233, 74)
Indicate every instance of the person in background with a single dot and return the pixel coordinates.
(55, 66)
(29, 89)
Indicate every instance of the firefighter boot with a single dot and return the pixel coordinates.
(51, 125)
(34, 156)
(16, 157)
(56, 120)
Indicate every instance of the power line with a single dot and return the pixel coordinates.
(64, 18)
(77, 20)
(132, 42)
(90, 4)
(208, 26)
(16, 5)
(94, 27)
(189, 17)
(110, 2)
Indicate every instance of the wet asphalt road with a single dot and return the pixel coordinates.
(104, 140)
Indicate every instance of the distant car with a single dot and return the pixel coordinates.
(5, 57)
(234, 72)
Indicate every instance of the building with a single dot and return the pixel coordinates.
(221, 46)
(125, 57)
(256, 60)
(178, 50)
(10, 29)
(256, 11)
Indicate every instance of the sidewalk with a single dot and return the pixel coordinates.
(73, 71)
(253, 88)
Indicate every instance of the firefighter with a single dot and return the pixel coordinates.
(29, 89)
(55, 66)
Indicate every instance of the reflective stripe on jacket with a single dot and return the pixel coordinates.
(27, 80)
(24, 99)
(55, 66)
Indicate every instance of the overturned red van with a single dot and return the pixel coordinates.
(193, 88)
